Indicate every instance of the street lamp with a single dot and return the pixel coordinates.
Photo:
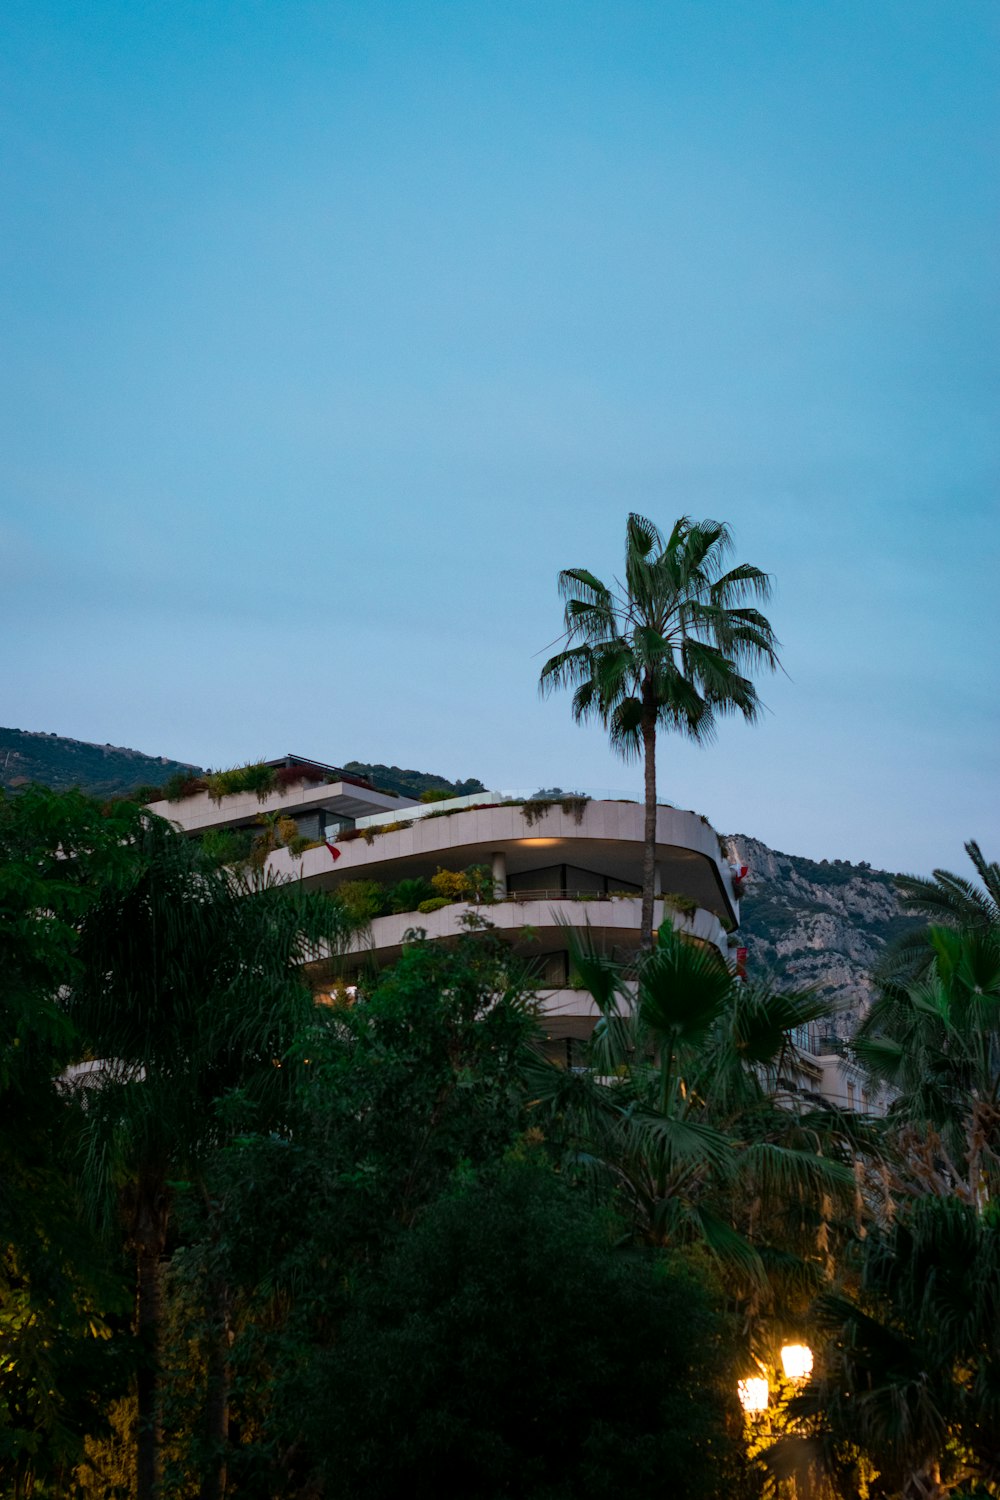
(753, 1393)
(797, 1361)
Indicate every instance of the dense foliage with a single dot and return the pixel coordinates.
(258, 1247)
(64, 764)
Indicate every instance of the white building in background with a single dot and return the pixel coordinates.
(553, 863)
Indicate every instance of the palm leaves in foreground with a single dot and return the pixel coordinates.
(912, 1373)
(947, 900)
(936, 1042)
(677, 1110)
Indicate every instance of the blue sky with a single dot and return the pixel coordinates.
(333, 331)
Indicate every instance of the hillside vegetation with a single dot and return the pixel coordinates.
(60, 763)
(410, 783)
(110, 770)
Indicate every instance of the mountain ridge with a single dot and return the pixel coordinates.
(59, 762)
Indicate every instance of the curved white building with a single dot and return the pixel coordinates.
(552, 865)
(545, 864)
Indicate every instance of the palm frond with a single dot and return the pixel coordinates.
(596, 972)
(682, 1143)
(743, 581)
(683, 987)
(988, 872)
(579, 583)
(783, 1171)
(625, 728)
(762, 1019)
(731, 1249)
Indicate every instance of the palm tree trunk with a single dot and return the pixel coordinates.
(214, 1480)
(150, 1242)
(649, 828)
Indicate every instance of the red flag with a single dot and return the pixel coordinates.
(334, 852)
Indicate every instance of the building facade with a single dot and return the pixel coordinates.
(534, 866)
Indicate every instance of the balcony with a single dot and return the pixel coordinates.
(602, 837)
(336, 799)
(541, 918)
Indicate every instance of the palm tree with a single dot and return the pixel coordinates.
(950, 900)
(955, 899)
(190, 990)
(908, 1379)
(668, 645)
(677, 1109)
(935, 1040)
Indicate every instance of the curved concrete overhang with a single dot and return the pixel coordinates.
(606, 837)
(612, 924)
(199, 813)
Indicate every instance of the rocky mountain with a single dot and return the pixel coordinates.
(823, 924)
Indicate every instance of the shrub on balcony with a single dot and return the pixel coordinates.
(536, 808)
(142, 795)
(183, 785)
(454, 812)
(363, 899)
(408, 894)
(475, 883)
(434, 903)
(254, 777)
(286, 776)
(226, 846)
(684, 906)
(452, 885)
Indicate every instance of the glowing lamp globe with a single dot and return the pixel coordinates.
(753, 1393)
(797, 1361)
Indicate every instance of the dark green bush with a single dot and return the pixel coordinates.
(408, 894)
(434, 903)
(510, 1350)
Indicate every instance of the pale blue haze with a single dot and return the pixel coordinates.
(332, 331)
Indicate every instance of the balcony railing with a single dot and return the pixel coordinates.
(506, 797)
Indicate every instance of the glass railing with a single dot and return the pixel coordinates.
(497, 798)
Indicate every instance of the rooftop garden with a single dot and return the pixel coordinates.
(534, 809)
(257, 777)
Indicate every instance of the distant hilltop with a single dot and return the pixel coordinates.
(806, 923)
(111, 770)
(101, 770)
